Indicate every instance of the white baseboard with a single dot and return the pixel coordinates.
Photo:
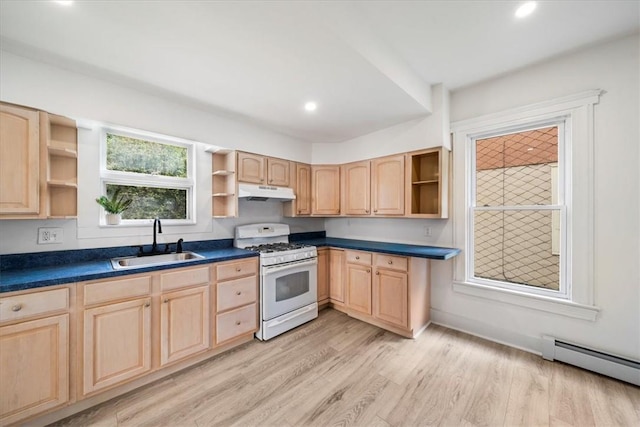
(486, 331)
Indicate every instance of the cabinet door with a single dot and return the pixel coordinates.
(359, 288)
(116, 343)
(278, 172)
(325, 183)
(184, 323)
(34, 373)
(250, 168)
(19, 160)
(388, 186)
(323, 278)
(303, 189)
(390, 297)
(357, 188)
(336, 275)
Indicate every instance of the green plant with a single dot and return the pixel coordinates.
(116, 204)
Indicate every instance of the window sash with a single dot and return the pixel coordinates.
(561, 205)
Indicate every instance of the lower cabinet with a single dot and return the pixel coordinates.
(323, 275)
(390, 297)
(336, 276)
(116, 343)
(358, 282)
(34, 375)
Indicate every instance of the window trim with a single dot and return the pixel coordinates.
(147, 180)
(578, 110)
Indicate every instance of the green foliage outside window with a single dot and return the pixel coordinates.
(136, 155)
(151, 202)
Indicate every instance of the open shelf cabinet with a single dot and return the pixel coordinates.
(61, 142)
(223, 184)
(427, 193)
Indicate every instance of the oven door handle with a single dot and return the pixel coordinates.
(276, 268)
(286, 319)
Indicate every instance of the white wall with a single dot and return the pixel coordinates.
(36, 84)
(613, 67)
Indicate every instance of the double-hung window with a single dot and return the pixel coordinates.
(523, 205)
(156, 173)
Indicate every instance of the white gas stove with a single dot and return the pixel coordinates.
(288, 277)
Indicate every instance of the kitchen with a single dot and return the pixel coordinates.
(44, 82)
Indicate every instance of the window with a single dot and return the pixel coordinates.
(523, 206)
(155, 173)
(517, 209)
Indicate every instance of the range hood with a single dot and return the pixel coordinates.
(265, 192)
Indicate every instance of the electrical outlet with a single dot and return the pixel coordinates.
(427, 231)
(47, 236)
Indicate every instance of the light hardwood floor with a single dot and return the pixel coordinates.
(340, 371)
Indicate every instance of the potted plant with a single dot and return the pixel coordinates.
(114, 206)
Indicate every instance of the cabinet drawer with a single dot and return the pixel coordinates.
(358, 257)
(393, 262)
(33, 304)
(113, 290)
(184, 278)
(235, 293)
(235, 323)
(236, 269)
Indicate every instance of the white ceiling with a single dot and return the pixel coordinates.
(368, 64)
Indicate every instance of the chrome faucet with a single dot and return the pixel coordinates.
(154, 247)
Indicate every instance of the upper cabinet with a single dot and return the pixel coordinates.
(223, 184)
(301, 183)
(428, 183)
(325, 190)
(19, 160)
(38, 164)
(387, 185)
(374, 187)
(257, 169)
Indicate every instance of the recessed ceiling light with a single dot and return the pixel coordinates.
(310, 106)
(526, 9)
(64, 2)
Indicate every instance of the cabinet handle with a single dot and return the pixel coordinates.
(366, 211)
(238, 269)
(238, 293)
(238, 323)
(377, 273)
(166, 300)
(16, 307)
(368, 271)
(357, 257)
(390, 262)
(147, 304)
(375, 210)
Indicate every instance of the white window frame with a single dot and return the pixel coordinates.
(562, 205)
(149, 180)
(576, 299)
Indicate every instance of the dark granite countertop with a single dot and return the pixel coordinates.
(81, 270)
(36, 270)
(431, 252)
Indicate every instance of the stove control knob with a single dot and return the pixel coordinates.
(281, 259)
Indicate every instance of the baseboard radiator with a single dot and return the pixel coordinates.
(602, 363)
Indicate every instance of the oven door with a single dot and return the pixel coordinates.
(288, 287)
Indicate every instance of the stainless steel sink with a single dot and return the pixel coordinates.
(153, 260)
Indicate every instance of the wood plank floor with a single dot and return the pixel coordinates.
(340, 371)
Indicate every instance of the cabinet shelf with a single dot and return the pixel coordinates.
(428, 173)
(223, 173)
(60, 151)
(223, 184)
(223, 194)
(429, 181)
(59, 183)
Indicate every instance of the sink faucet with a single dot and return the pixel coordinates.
(154, 247)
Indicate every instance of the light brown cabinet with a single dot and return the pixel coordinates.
(336, 276)
(358, 282)
(427, 194)
(387, 185)
(185, 304)
(236, 299)
(356, 188)
(323, 275)
(223, 184)
(34, 374)
(325, 190)
(374, 187)
(257, 169)
(19, 160)
(116, 343)
(301, 183)
(390, 290)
